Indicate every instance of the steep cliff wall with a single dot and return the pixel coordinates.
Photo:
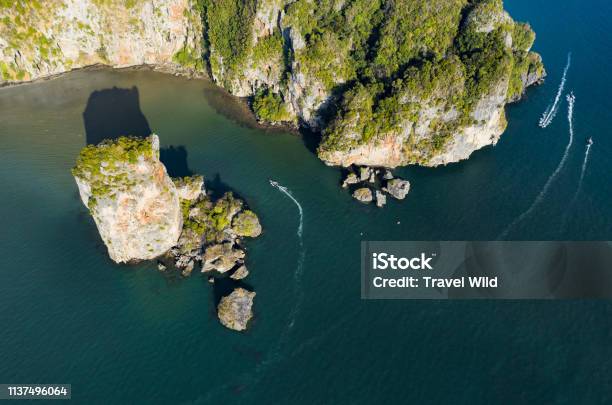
(132, 199)
(388, 83)
(42, 38)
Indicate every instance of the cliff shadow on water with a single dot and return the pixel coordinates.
(111, 113)
(216, 188)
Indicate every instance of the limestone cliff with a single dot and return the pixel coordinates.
(386, 82)
(43, 38)
(133, 201)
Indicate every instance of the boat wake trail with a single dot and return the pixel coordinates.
(551, 111)
(300, 263)
(286, 191)
(584, 166)
(570, 117)
(579, 188)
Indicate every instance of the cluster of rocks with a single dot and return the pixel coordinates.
(212, 241)
(142, 214)
(368, 184)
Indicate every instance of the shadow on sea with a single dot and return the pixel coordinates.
(115, 112)
(237, 110)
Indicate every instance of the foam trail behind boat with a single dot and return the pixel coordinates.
(551, 111)
(570, 117)
(578, 189)
(300, 263)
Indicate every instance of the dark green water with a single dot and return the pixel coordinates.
(127, 334)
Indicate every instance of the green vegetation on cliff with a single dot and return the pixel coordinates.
(211, 220)
(385, 63)
(361, 71)
(101, 165)
(229, 33)
(269, 107)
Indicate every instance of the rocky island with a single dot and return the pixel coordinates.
(143, 214)
(386, 83)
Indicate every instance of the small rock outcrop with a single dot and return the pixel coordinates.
(130, 196)
(398, 188)
(222, 257)
(363, 195)
(374, 185)
(213, 232)
(351, 179)
(236, 310)
(240, 273)
(381, 199)
(365, 173)
(246, 223)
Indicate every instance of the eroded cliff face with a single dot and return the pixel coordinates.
(131, 198)
(43, 38)
(386, 82)
(445, 108)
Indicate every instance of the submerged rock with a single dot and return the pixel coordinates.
(363, 195)
(133, 201)
(398, 188)
(236, 310)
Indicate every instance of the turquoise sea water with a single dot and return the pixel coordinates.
(127, 334)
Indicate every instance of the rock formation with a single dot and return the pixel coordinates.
(131, 198)
(142, 214)
(363, 195)
(43, 38)
(381, 199)
(235, 310)
(240, 273)
(398, 188)
(374, 185)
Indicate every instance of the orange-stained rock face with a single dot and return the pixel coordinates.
(81, 33)
(177, 11)
(138, 217)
